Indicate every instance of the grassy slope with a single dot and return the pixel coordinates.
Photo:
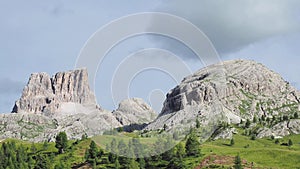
(263, 152)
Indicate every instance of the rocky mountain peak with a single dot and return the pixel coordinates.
(231, 91)
(134, 111)
(44, 94)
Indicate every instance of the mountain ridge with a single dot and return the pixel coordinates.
(231, 91)
(63, 102)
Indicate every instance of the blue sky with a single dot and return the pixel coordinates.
(47, 36)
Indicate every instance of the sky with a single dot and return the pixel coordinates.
(48, 36)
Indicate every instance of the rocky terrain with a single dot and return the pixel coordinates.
(134, 111)
(231, 92)
(45, 95)
(65, 102)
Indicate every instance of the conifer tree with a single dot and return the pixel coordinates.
(192, 145)
(61, 142)
(237, 162)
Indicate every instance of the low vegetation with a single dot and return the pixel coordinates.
(239, 152)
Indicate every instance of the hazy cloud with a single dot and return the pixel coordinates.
(232, 25)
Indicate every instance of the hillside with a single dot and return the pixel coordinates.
(259, 153)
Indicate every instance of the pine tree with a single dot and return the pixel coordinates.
(170, 150)
(142, 163)
(122, 147)
(112, 157)
(42, 162)
(94, 163)
(254, 119)
(192, 145)
(198, 123)
(176, 160)
(165, 127)
(176, 164)
(290, 143)
(113, 146)
(31, 162)
(285, 118)
(180, 151)
(45, 145)
(60, 165)
(232, 142)
(84, 137)
(117, 164)
(137, 147)
(237, 162)
(296, 116)
(86, 154)
(21, 157)
(263, 118)
(130, 152)
(61, 142)
(133, 164)
(33, 148)
(253, 137)
(248, 123)
(93, 150)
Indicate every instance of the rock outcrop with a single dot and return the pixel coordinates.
(49, 105)
(228, 92)
(45, 94)
(134, 111)
(65, 102)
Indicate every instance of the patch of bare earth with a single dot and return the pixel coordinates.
(216, 160)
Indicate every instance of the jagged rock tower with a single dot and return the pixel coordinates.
(45, 94)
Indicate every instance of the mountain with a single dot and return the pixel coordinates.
(64, 102)
(231, 92)
(47, 95)
(134, 111)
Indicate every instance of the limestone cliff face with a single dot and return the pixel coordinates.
(44, 94)
(49, 105)
(230, 91)
(247, 86)
(65, 102)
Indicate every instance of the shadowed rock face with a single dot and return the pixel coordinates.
(228, 91)
(44, 94)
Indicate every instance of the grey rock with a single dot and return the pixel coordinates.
(37, 128)
(64, 102)
(44, 94)
(49, 105)
(134, 111)
(226, 134)
(281, 129)
(228, 92)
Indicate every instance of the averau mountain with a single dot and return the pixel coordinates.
(64, 102)
(233, 92)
